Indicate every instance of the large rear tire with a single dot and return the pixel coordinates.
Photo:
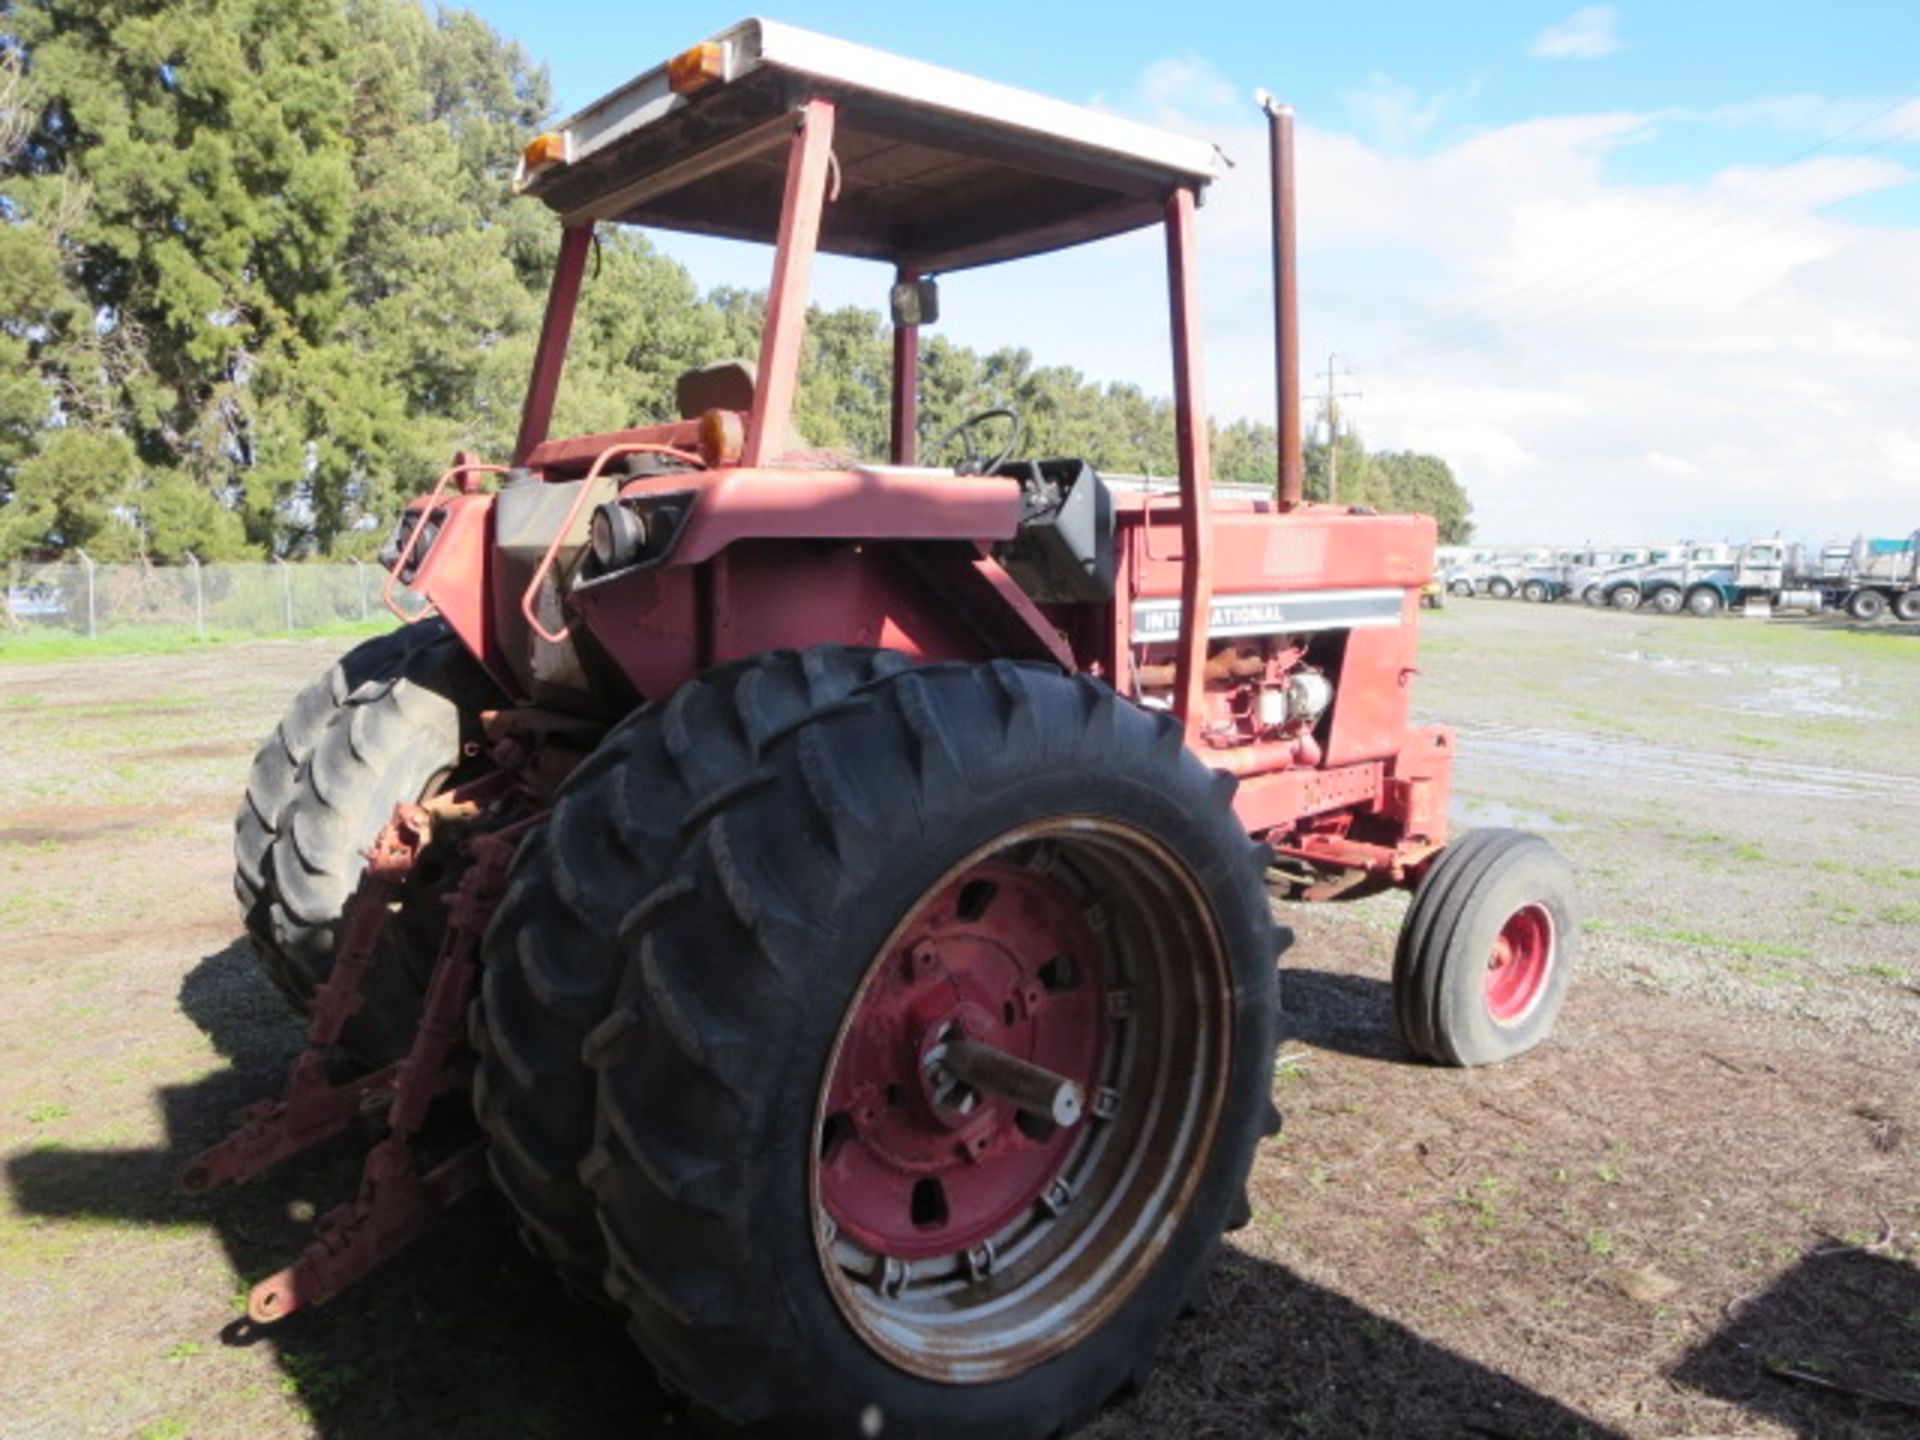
(275, 775)
(397, 736)
(1486, 949)
(1906, 606)
(552, 950)
(808, 1238)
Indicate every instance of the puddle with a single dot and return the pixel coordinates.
(1488, 814)
(1567, 753)
(200, 750)
(1781, 692)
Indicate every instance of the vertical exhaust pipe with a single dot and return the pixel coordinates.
(1286, 302)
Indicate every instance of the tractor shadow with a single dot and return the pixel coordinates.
(1831, 1348)
(464, 1335)
(1349, 1014)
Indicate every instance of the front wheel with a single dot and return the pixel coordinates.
(1626, 597)
(1485, 950)
(1666, 600)
(1535, 591)
(1500, 589)
(1705, 601)
(966, 1004)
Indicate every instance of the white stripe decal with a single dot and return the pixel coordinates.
(1287, 612)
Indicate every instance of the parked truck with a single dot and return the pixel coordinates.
(1715, 577)
(1866, 578)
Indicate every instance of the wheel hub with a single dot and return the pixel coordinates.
(915, 1161)
(1517, 969)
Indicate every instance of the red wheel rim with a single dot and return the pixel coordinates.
(913, 1165)
(1022, 1239)
(1518, 967)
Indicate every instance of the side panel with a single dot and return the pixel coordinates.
(663, 626)
(455, 575)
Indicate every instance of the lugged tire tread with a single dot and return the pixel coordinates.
(387, 740)
(672, 1181)
(552, 951)
(274, 776)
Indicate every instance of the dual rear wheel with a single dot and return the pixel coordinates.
(887, 911)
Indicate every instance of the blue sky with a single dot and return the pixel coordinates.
(1521, 222)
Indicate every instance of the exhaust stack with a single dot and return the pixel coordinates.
(1286, 302)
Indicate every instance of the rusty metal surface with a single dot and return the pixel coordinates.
(1286, 306)
(396, 1199)
(771, 421)
(551, 354)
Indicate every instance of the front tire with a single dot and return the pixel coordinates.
(1625, 597)
(1500, 589)
(1486, 949)
(809, 1237)
(1667, 600)
(1705, 602)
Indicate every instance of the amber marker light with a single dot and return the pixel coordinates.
(543, 152)
(722, 438)
(697, 68)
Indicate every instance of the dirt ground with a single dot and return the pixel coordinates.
(1694, 1213)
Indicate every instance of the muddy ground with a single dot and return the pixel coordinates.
(1694, 1213)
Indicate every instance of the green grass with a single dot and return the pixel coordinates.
(39, 647)
(1745, 949)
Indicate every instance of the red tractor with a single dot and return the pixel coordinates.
(843, 887)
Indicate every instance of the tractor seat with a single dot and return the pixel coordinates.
(724, 385)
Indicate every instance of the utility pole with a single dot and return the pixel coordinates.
(1331, 404)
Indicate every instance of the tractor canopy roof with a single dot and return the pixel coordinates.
(934, 170)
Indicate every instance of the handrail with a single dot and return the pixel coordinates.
(560, 636)
(413, 535)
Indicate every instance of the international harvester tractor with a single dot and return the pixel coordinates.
(845, 887)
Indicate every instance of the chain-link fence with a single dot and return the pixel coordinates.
(83, 598)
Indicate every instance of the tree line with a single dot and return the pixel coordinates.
(261, 275)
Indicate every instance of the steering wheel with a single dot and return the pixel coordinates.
(977, 462)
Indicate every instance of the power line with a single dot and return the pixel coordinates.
(1330, 403)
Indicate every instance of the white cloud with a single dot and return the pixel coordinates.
(1596, 359)
(1590, 33)
(1677, 466)
(1398, 113)
(1569, 343)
